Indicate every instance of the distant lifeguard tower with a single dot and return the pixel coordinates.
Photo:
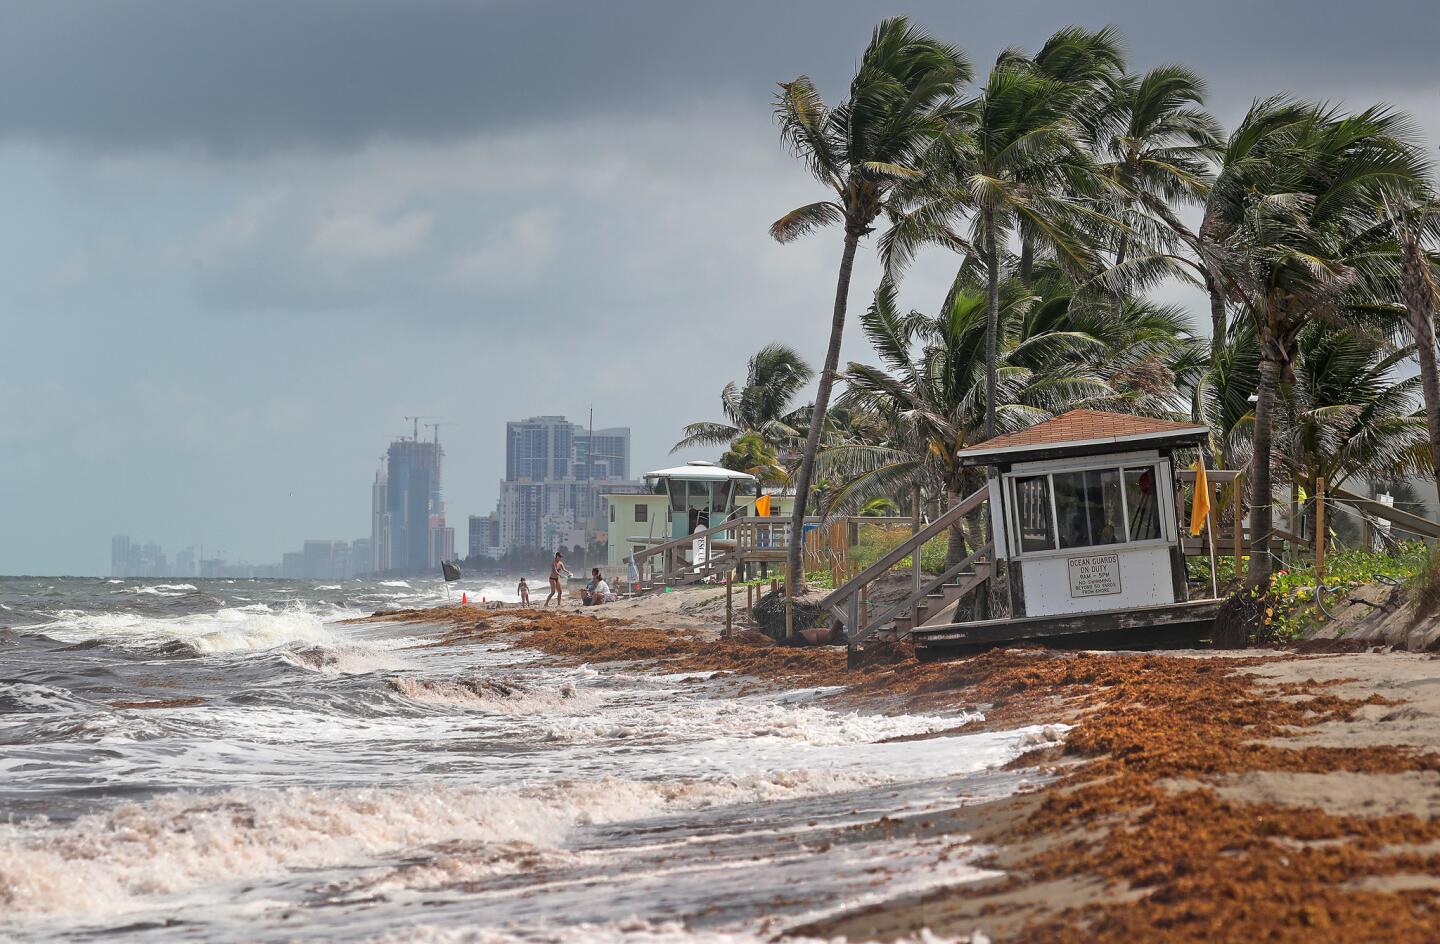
(678, 501)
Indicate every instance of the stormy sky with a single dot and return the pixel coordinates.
(241, 241)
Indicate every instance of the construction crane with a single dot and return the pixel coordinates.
(416, 421)
(436, 428)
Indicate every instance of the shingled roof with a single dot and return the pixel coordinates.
(1082, 432)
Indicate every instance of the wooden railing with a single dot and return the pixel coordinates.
(743, 534)
(866, 625)
(844, 600)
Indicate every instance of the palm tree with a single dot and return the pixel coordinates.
(898, 104)
(1014, 163)
(1164, 144)
(1090, 67)
(931, 393)
(774, 376)
(750, 453)
(1303, 240)
(1412, 215)
(1345, 414)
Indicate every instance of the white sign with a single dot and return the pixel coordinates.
(1094, 576)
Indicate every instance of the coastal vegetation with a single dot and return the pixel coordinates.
(1069, 192)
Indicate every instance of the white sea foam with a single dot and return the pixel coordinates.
(342, 659)
(109, 863)
(752, 720)
(252, 627)
(634, 931)
(496, 696)
(395, 583)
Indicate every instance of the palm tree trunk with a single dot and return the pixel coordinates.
(1123, 250)
(992, 321)
(1419, 303)
(1027, 259)
(1261, 508)
(817, 415)
(1217, 317)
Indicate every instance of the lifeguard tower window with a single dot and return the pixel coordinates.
(1086, 508)
(642, 512)
(1032, 501)
(1089, 506)
(1140, 501)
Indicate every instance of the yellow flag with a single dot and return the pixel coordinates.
(762, 506)
(1200, 505)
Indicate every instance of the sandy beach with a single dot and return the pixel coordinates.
(1199, 796)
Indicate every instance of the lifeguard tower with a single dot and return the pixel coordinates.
(1085, 515)
(698, 494)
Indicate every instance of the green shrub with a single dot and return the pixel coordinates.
(1290, 608)
(876, 540)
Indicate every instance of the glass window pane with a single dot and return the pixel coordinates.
(677, 495)
(1088, 506)
(1032, 512)
(1142, 499)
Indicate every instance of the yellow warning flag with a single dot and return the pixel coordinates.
(762, 506)
(1200, 505)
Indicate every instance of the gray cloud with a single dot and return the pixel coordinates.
(264, 75)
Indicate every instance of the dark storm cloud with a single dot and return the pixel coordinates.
(261, 75)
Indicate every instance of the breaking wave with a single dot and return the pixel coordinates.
(107, 863)
(493, 695)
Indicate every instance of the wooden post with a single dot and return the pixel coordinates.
(729, 601)
(1319, 529)
(789, 601)
(1239, 523)
(915, 554)
(864, 605)
(1210, 536)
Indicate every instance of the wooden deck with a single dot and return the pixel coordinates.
(1156, 625)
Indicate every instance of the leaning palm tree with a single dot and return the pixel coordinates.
(1416, 216)
(1017, 162)
(899, 101)
(775, 375)
(1306, 247)
(1162, 148)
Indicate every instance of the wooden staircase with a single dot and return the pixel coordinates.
(928, 600)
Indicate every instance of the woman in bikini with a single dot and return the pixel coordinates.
(557, 567)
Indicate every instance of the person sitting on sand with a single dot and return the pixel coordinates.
(524, 591)
(597, 590)
(557, 567)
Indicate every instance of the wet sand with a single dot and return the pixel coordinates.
(1200, 796)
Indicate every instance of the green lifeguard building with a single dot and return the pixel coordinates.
(698, 494)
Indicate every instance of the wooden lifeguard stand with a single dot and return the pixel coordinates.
(1086, 517)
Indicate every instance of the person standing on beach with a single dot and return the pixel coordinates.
(524, 591)
(557, 567)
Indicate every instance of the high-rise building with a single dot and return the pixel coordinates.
(379, 523)
(484, 536)
(554, 470)
(185, 563)
(407, 524)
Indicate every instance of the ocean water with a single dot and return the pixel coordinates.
(298, 779)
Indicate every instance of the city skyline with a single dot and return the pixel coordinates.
(544, 452)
